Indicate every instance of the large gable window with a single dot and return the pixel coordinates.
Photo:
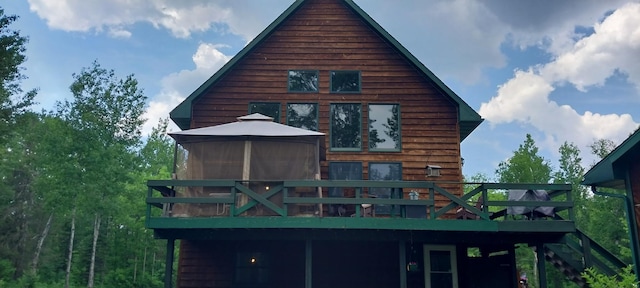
(271, 109)
(303, 115)
(303, 81)
(345, 126)
(384, 127)
(345, 81)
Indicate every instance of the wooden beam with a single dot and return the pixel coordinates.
(168, 270)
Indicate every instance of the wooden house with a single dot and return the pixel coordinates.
(621, 170)
(385, 206)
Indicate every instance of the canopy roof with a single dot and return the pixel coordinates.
(251, 125)
(611, 170)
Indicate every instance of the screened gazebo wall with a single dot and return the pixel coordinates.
(256, 159)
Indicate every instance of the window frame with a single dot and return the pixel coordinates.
(343, 149)
(317, 72)
(427, 263)
(399, 149)
(331, 74)
(317, 118)
(339, 192)
(397, 194)
(275, 119)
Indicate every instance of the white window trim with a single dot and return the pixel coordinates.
(427, 263)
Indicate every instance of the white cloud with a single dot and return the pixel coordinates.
(614, 46)
(551, 25)
(180, 17)
(456, 39)
(177, 86)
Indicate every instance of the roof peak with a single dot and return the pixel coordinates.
(255, 117)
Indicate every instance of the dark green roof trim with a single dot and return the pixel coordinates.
(468, 118)
(610, 171)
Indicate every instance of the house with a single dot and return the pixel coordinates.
(371, 195)
(620, 170)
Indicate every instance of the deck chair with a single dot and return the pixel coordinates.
(465, 214)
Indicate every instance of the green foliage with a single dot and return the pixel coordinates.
(525, 166)
(12, 55)
(623, 280)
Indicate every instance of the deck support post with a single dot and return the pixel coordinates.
(542, 269)
(514, 266)
(308, 264)
(402, 250)
(168, 270)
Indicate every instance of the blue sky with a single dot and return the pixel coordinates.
(558, 70)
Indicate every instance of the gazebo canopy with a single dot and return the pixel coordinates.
(256, 124)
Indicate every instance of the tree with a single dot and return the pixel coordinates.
(105, 117)
(525, 166)
(12, 49)
(17, 206)
(572, 172)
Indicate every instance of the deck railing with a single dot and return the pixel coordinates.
(304, 198)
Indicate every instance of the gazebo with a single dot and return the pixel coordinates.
(254, 149)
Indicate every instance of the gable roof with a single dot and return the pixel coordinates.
(468, 118)
(611, 170)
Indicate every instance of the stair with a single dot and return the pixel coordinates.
(576, 252)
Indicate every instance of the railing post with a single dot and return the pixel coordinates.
(572, 215)
(432, 209)
(358, 206)
(586, 250)
(148, 212)
(233, 206)
(285, 194)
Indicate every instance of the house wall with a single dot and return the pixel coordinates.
(634, 171)
(325, 35)
(215, 264)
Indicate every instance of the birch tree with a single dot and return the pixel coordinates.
(105, 114)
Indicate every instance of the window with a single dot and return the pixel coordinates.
(384, 127)
(303, 115)
(271, 109)
(345, 127)
(385, 172)
(252, 269)
(440, 269)
(342, 171)
(303, 81)
(345, 81)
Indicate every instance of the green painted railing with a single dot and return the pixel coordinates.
(236, 198)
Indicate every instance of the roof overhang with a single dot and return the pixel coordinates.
(611, 171)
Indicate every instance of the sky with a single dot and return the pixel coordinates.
(562, 71)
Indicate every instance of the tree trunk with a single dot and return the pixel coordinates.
(70, 252)
(96, 234)
(36, 256)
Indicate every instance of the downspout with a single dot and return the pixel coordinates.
(632, 237)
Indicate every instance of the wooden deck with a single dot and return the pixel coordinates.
(295, 205)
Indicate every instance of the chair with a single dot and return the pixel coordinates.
(466, 214)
